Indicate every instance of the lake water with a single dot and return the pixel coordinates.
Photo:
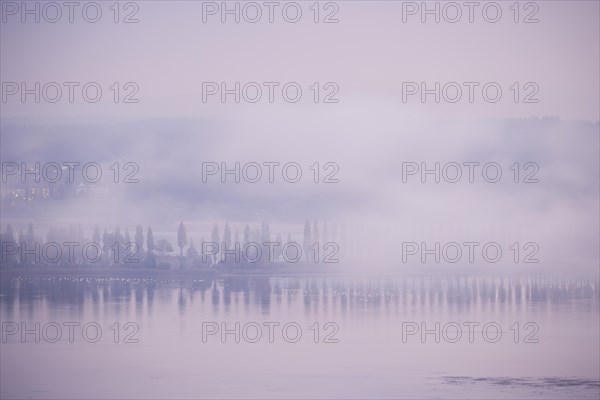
(301, 337)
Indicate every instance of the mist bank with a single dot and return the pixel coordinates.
(398, 179)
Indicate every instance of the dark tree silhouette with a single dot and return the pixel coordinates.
(278, 248)
(5, 239)
(246, 235)
(139, 238)
(215, 240)
(227, 236)
(181, 238)
(307, 241)
(96, 235)
(150, 240)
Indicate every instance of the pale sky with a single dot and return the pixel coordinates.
(368, 53)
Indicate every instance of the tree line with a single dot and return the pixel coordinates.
(60, 245)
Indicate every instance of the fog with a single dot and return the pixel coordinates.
(554, 203)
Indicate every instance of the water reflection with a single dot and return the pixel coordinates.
(369, 312)
(313, 293)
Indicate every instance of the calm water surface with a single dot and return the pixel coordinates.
(301, 337)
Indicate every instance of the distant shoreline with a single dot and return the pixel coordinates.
(275, 270)
(125, 272)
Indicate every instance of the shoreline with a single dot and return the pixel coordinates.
(272, 271)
